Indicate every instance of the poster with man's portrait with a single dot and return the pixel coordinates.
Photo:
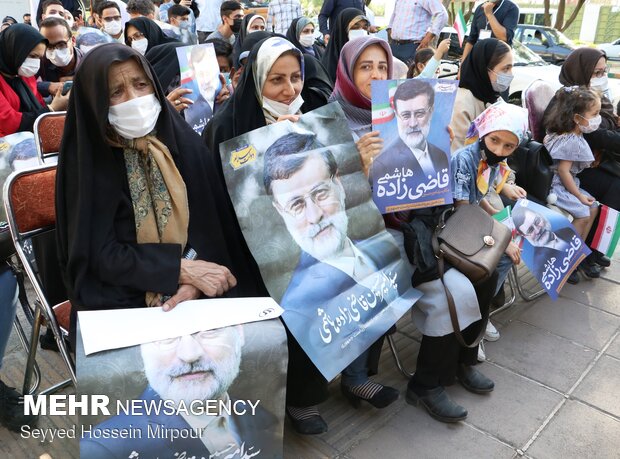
(208, 394)
(200, 72)
(552, 249)
(413, 169)
(17, 152)
(306, 211)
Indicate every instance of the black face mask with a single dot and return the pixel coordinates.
(492, 158)
(236, 27)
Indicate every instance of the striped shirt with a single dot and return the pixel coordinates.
(411, 19)
(281, 13)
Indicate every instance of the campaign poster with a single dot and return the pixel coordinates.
(306, 211)
(551, 248)
(200, 72)
(209, 394)
(17, 152)
(413, 169)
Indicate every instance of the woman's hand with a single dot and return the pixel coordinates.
(184, 293)
(210, 278)
(59, 102)
(514, 252)
(177, 100)
(369, 146)
(587, 200)
(291, 118)
(442, 48)
(451, 134)
(513, 192)
(224, 92)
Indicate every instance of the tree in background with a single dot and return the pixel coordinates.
(559, 19)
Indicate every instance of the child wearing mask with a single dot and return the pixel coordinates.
(575, 112)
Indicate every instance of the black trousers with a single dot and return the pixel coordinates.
(605, 187)
(440, 356)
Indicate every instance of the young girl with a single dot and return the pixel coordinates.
(575, 112)
(427, 60)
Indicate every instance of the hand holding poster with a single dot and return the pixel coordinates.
(200, 72)
(213, 393)
(413, 169)
(305, 209)
(552, 249)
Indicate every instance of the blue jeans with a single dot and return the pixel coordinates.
(8, 307)
(404, 52)
(357, 371)
(503, 268)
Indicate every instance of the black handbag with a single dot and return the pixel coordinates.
(531, 163)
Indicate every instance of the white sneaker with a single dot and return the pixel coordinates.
(481, 355)
(491, 333)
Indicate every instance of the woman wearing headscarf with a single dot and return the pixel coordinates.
(21, 49)
(256, 102)
(250, 24)
(351, 23)
(130, 175)
(142, 34)
(485, 73)
(588, 67)
(301, 34)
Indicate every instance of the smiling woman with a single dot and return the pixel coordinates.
(120, 245)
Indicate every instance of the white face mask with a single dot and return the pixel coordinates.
(136, 117)
(280, 109)
(30, 67)
(357, 33)
(593, 124)
(600, 84)
(112, 27)
(59, 57)
(306, 40)
(140, 45)
(57, 15)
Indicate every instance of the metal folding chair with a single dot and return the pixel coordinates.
(29, 201)
(48, 129)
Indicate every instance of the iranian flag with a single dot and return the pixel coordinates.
(384, 113)
(607, 232)
(460, 25)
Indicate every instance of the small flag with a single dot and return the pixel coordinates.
(607, 232)
(384, 112)
(460, 25)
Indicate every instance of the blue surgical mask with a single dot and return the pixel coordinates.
(503, 81)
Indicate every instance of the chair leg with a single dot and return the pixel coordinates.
(32, 352)
(399, 364)
(21, 334)
(513, 294)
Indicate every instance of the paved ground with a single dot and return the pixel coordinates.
(557, 374)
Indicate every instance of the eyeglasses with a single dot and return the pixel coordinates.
(202, 338)
(320, 195)
(601, 72)
(59, 46)
(536, 224)
(417, 114)
(111, 18)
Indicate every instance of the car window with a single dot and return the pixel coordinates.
(561, 39)
(532, 37)
(524, 56)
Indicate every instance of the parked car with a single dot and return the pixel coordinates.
(611, 49)
(550, 44)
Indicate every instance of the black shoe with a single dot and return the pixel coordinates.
(438, 404)
(474, 381)
(601, 260)
(384, 397)
(312, 425)
(573, 278)
(12, 409)
(589, 269)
